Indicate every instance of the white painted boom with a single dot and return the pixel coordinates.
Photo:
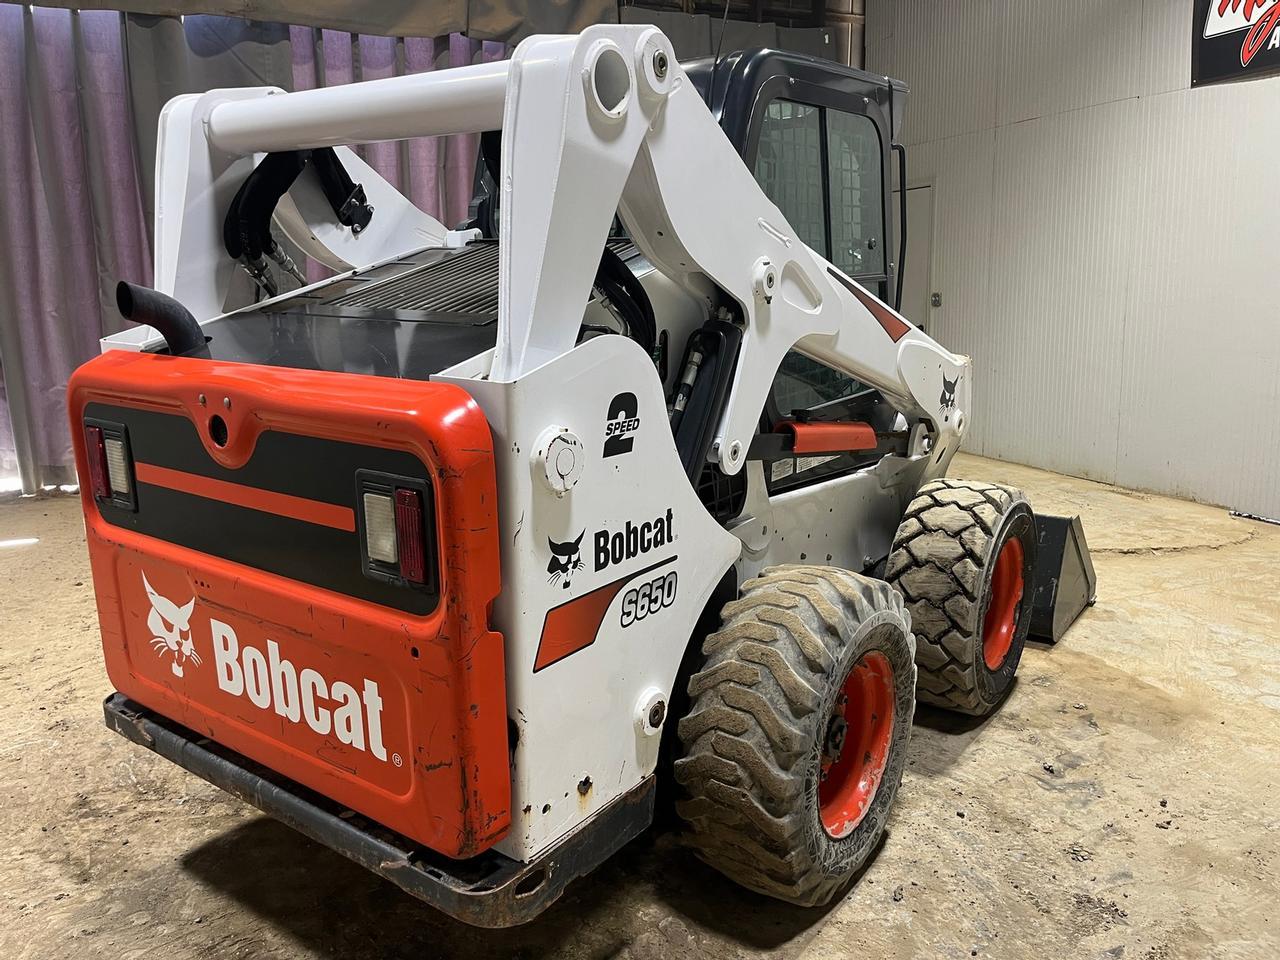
(461, 100)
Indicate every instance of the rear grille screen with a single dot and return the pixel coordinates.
(464, 283)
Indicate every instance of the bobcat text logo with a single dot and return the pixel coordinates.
(272, 682)
(1260, 17)
(948, 398)
(633, 540)
(170, 627)
(624, 421)
(566, 558)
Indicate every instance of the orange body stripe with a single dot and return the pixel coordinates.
(574, 624)
(267, 501)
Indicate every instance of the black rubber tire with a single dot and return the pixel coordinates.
(942, 561)
(759, 707)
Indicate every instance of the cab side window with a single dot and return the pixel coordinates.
(789, 168)
(822, 167)
(802, 383)
(856, 194)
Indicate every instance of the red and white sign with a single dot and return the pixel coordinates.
(1235, 38)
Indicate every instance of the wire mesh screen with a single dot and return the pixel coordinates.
(789, 167)
(857, 213)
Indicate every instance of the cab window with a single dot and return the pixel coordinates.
(856, 194)
(789, 168)
(802, 383)
(823, 169)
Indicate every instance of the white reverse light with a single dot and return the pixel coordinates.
(117, 466)
(380, 528)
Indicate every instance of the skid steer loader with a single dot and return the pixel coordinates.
(446, 560)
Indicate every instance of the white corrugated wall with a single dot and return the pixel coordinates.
(1106, 240)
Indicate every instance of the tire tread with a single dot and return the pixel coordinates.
(936, 561)
(743, 743)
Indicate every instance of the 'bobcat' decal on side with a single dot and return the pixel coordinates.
(566, 559)
(170, 627)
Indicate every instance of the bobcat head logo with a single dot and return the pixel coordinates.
(170, 627)
(948, 399)
(566, 558)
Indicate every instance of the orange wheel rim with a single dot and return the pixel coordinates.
(1002, 612)
(856, 745)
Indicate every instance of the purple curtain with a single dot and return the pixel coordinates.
(72, 218)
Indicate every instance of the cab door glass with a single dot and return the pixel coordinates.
(823, 169)
(789, 168)
(802, 383)
(856, 193)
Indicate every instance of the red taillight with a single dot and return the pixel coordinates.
(110, 463)
(96, 451)
(409, 537)
(395, 525)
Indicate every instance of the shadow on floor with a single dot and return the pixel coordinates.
(297, 887)
(939, 737)
(335, 907)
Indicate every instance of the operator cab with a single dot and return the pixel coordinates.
(817, 135)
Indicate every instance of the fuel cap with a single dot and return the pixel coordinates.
(559, 458)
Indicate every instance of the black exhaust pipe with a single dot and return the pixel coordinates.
(172, 319)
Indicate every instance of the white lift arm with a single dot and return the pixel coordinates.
(608, 121)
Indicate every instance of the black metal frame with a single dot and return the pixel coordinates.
(720, 342)
(489, 890)
(901, 151)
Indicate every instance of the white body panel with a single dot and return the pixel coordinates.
(592, 125)
(305, 217)
(577, 718)
(846, 521)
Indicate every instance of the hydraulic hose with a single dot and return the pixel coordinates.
(246, 231)
(627, 293)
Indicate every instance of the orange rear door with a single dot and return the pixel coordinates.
(241, 595)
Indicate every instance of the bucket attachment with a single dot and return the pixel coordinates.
(1064, 582)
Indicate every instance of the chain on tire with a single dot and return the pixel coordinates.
(795, 739)
(963, 558)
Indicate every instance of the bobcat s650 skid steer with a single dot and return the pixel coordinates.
(447, 560)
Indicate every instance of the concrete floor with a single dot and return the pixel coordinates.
(1122, 803)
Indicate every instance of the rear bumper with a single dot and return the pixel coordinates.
(489, 890)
